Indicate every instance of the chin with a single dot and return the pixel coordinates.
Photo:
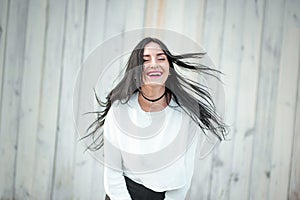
(154, 83)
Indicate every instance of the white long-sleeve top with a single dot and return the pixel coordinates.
(155, 149)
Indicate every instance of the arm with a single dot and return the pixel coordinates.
(114, 184)
(114, 181)
(180, 193)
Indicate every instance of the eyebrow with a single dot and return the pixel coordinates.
(159, 54)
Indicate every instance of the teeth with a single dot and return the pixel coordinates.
(154, 74)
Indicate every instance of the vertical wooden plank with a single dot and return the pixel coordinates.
(294, 177)
(176, 16)
(115, 24)
(10, 107)
(95, 33)
(294, 182)
(114, 20)
(213, 29)
(49, 97)
(135, 19)
(135, 15)
(30, 98)
(286, 105)
(4, 6)
(266, 100)
(213, 26)
(95, 22)
(173, 15)
(164, 17)
(193, 19)
(230, 66)
(246, 100)
(154, 11)
(285, 113)
(88, 183)
(66, 133)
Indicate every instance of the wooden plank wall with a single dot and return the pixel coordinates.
(255, 43)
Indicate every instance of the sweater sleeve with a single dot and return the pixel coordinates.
(114, 181)
(180, 193)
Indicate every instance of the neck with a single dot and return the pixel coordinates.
(154, 102)
(153, 92)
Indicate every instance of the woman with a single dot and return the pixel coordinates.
(149, 122)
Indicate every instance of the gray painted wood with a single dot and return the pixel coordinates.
(193, 19)
(11, 95)
(29, 107)
(247, 99)
(285, 111)
(49, 100)
(294, 177)
(67, 136)
(230, 64)
(95, 36)
(153, 11)
(266, 104)
(292, 15)
(4, 5)
(86, 178)
(132, 22)
(211, 42)
(286, 107)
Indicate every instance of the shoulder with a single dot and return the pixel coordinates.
(125, 103)
(119, 108)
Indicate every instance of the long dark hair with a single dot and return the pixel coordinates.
(190, 95)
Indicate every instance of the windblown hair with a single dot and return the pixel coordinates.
(191, 96)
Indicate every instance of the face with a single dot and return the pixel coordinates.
(156, 65)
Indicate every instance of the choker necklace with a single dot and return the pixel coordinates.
(153, 100)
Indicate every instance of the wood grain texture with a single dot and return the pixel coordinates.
(94, 37)
(266, 100)
(172, 15)
(67, 136)
(154, 11)
(31, 83)
(230, 65)
(246, 99)
(85, 177)
(285, 110)
(49, 100)
(133, 22)
(294, 176)
(286, 104)
(193, 19)
(11, 95)
(4, 5)
(292, 35)
(211, 42)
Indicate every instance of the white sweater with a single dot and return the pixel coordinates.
(156, 149)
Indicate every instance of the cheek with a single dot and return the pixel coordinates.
(146, 66)
(166, 67)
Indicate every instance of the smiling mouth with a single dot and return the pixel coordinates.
(154, 74)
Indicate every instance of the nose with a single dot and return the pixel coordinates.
(154, 63)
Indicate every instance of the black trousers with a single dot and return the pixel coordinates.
(140, 192)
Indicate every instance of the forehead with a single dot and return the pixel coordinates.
(152, 48)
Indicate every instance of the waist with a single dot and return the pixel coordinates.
(140, 192)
